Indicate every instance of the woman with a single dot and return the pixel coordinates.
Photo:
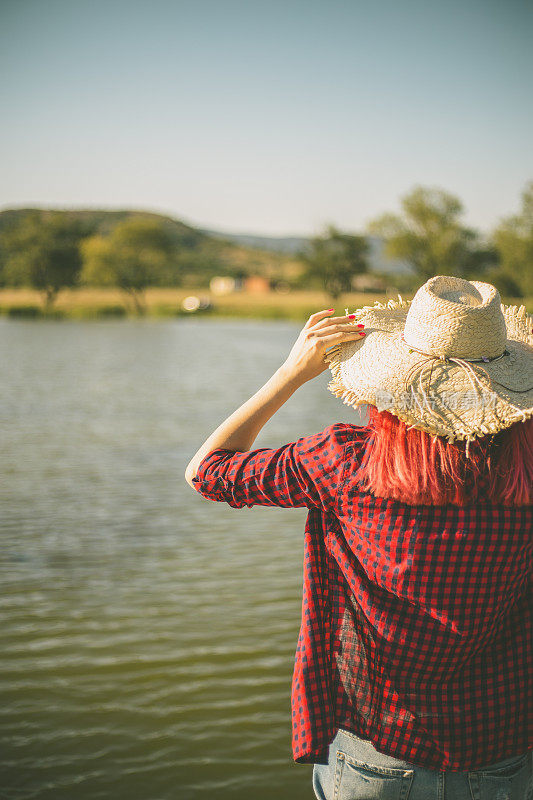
(414, 661)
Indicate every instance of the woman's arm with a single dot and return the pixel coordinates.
(240, 429)
(305, 361)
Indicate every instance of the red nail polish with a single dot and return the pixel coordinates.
(360, 326)
(363, 333)
(351, 316)
(330, 309)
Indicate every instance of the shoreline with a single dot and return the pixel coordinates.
(103, 303)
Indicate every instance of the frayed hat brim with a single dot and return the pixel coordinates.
(441, 397)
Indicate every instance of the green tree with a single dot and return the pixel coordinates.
(513, 239)
(132, 257)
(42, 251)
(430, 236)
(334, 259)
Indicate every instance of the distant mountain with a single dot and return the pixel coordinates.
(278, 244)
(379, 262)
(294, 244)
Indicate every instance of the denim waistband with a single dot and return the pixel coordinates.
(364, 750)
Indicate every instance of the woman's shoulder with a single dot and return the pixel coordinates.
(346, 433)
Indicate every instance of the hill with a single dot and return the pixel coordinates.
(201, 255)
(205, 252)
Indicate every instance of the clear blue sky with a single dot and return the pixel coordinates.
(272, 117)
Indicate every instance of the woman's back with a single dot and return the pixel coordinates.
(429, 625)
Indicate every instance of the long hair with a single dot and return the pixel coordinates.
(417, 468)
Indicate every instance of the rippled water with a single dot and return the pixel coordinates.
(148, 634)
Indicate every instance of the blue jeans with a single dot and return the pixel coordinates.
(357, 771)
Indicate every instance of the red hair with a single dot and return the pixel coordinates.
(417, 468)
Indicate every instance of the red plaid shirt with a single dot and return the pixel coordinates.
(416, 629)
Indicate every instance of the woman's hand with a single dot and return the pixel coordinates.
(320, 332)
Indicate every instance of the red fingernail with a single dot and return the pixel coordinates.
(351, 316)
(330, 309)
(363, 333)
(360, 326)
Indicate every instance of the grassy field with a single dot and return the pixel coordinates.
(161, 302)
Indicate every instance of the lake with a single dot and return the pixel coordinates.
(148, 634)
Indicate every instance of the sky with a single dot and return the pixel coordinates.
(275, 117)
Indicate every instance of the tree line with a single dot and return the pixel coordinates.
(53, 250)
(430, 236)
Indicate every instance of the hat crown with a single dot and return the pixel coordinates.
(455, 318)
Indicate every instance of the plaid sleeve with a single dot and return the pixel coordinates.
(301, 473)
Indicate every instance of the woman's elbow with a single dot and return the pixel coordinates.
(190, 473)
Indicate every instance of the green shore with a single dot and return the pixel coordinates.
(163, 302)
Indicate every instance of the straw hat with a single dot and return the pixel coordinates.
(453, 361)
